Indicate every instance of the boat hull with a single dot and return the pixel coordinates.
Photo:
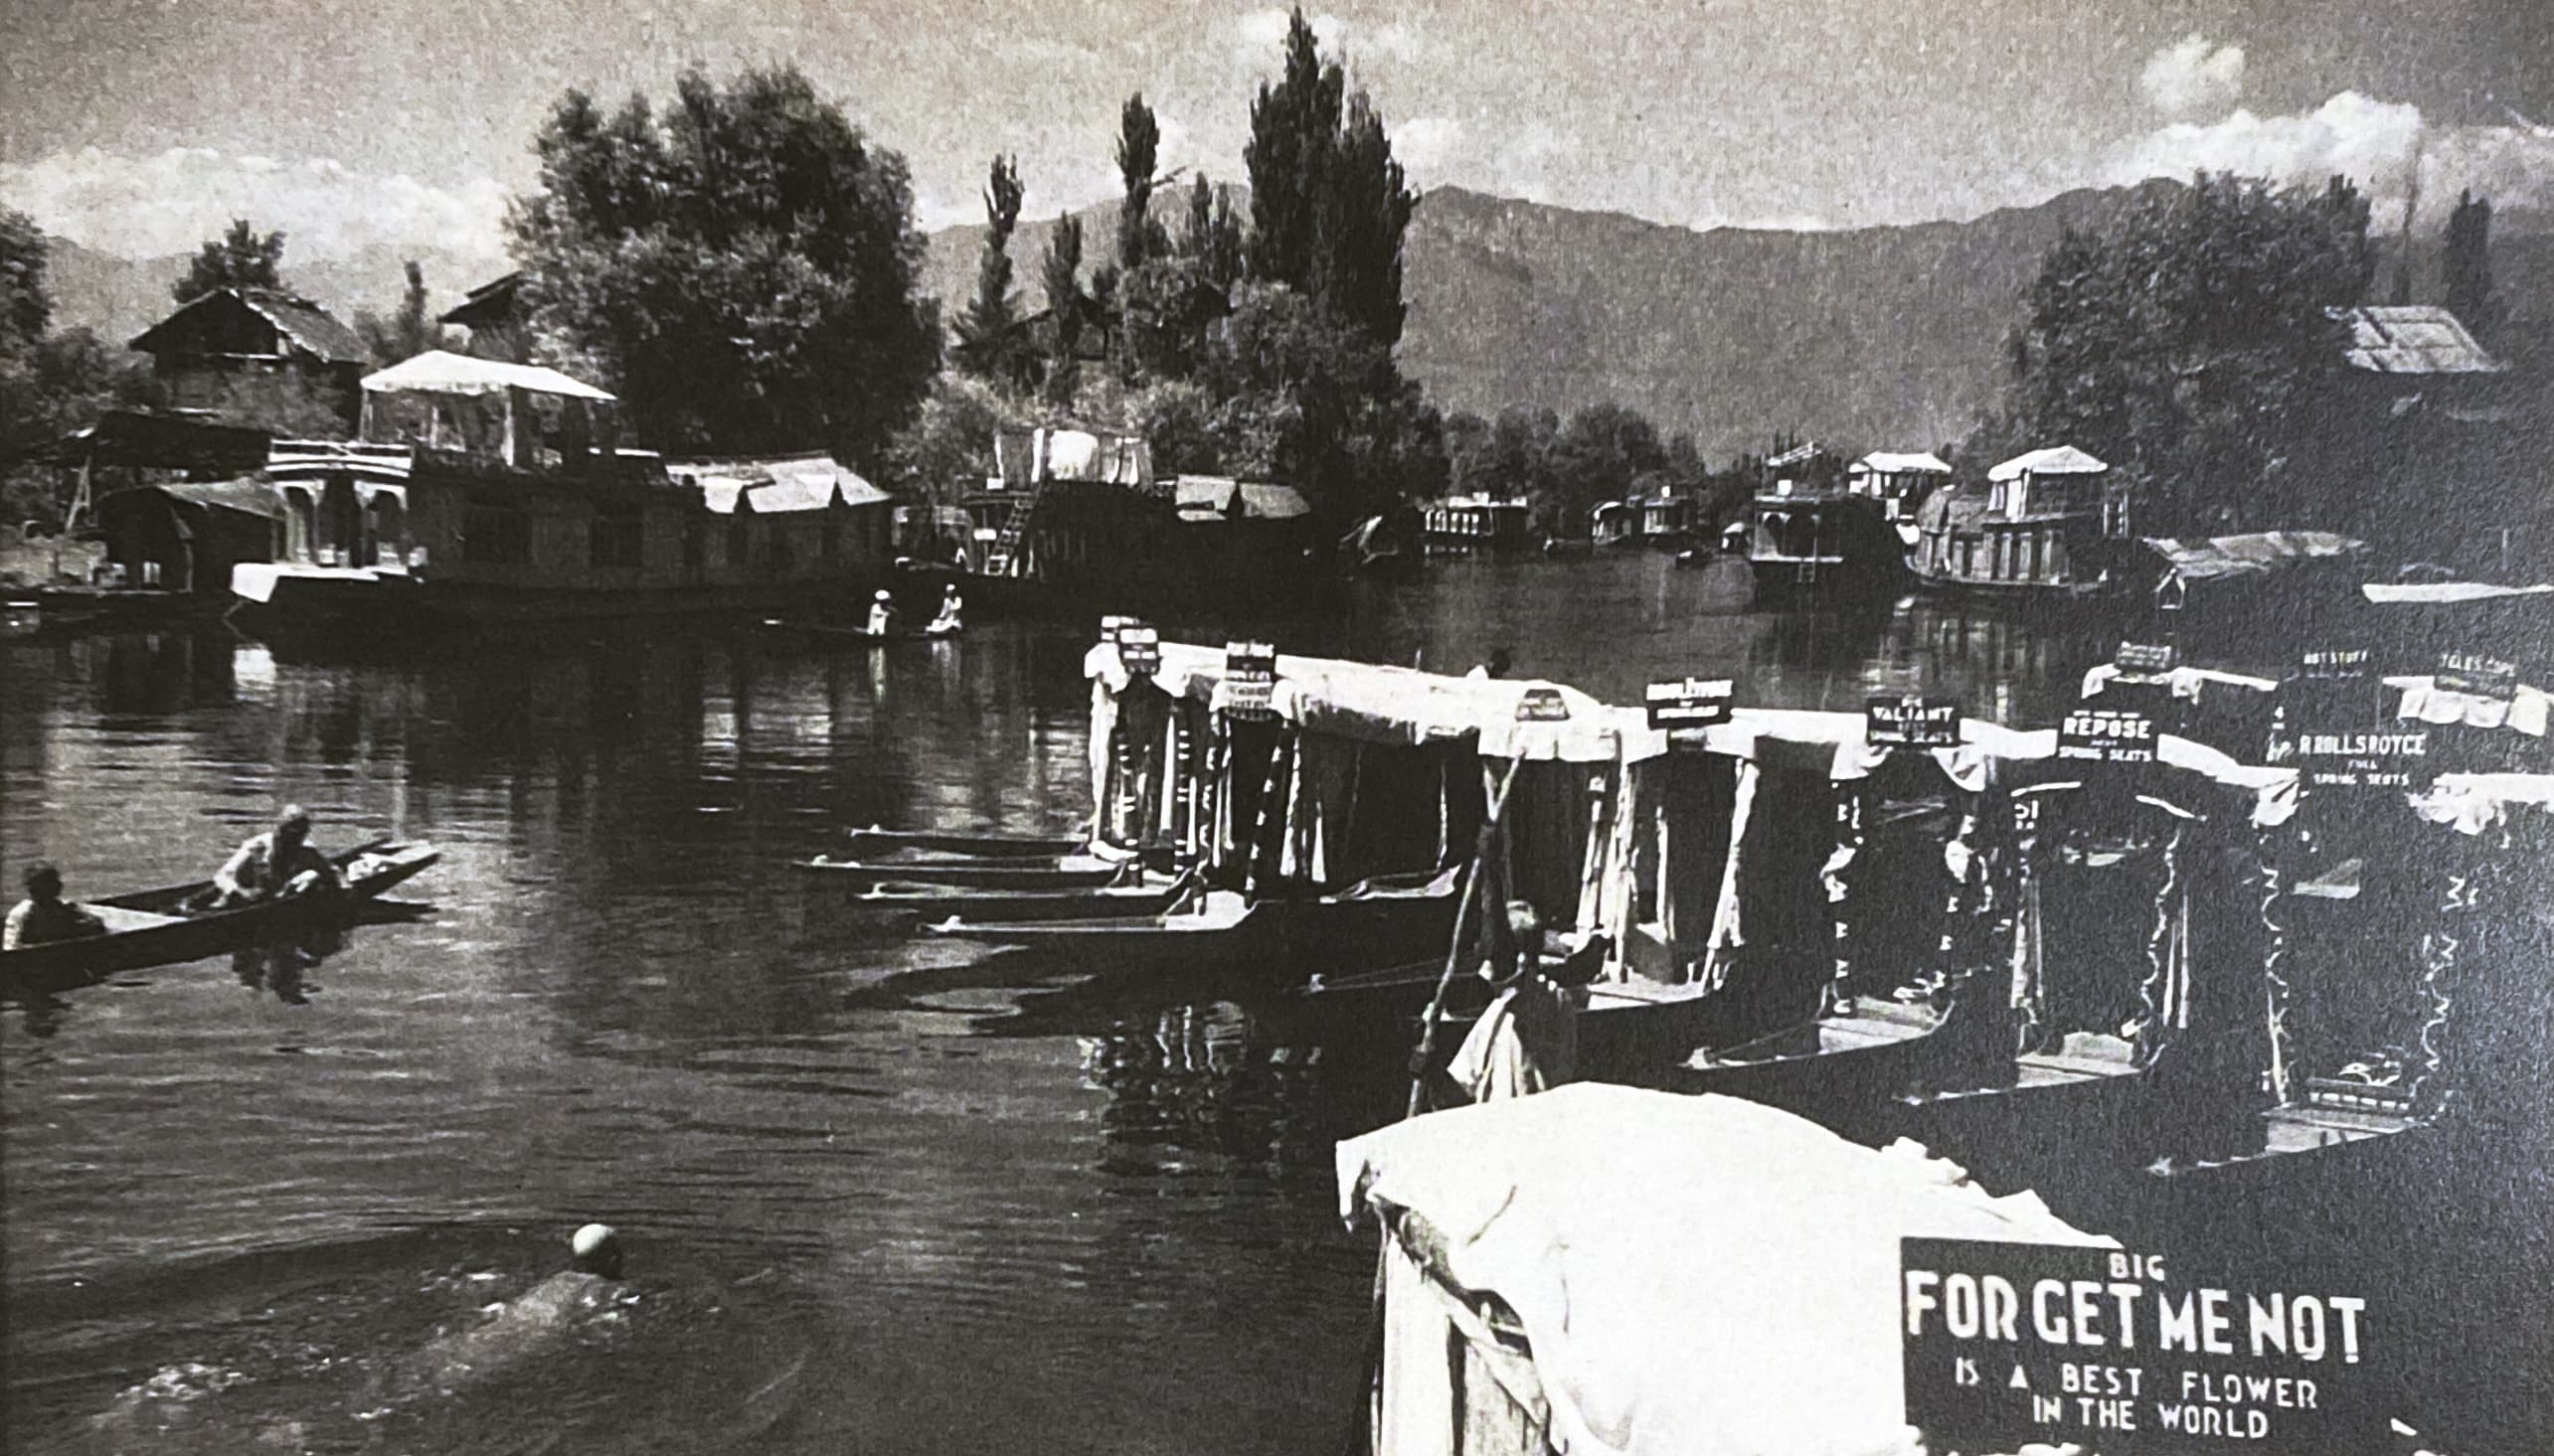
(64, 964)
(1070, 871)
(1273, 938)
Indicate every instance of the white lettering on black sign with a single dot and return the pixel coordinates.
(1690, 703)
(2472, 672)
(1542, 705)
(2006, 1344)
(1249, 679)
(2106, 735)
(1139, 648)
(1910, 722)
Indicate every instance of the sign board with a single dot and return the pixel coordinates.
(2336, 664)
(1910, 722)
(1109, 629)
(2472, 672)
(2385, 757)
(2007, 1345)
(1690, 703)
(2106, 735)
(1249, 679)
(1542, 705)
(1139, 648)
(2145, 659)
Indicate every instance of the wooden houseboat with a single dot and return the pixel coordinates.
(1898, 482)
(1466, 525)
(1078, 518)
(485, 493)
(2048, 524)
(1666, 522)
(1805, 541)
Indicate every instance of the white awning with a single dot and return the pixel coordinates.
(438, 371)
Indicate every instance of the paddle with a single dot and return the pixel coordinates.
(1359, 1430)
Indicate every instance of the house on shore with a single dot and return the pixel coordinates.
(500, 326)
(221, 340)
(185, 537)
(1465, 524)
(1899, 482)
(785, 519)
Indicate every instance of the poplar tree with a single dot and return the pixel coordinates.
(1295, 125)
(986, 330)
(1062, 276)
(1140, 139)
(2468, 268)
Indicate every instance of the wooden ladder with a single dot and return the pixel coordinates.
(1006, 546)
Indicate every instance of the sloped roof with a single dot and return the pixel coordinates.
(2413, 339)
(302, 322)
(2259, 553)
(2053, 460)
(1885, 462)
(776, 484)
(154, 440)
(249, 496)
(1203, 497)
(440, 372)
(488, 303)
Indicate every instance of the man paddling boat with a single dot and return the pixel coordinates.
(277, 862)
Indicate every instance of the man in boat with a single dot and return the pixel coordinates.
(277, 862)
(1527, 1041)
(882, 613)
(948, 621)
(44, 916)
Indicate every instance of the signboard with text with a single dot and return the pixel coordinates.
(1249, 679)
(1910, 722)
(1139, 648)
(1542, 705)
(2475, 672)
(1690, 703)
(2145, 659)
(2007, 1345)
(2106, 735)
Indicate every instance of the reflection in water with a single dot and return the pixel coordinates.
(1004, 1220)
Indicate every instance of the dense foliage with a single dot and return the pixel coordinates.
(2189, 345)
(1564, 469)
(740, 268)
(411, 329)
(987, 332)
(240, 258)
(51, 382)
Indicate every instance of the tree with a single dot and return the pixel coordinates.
(239, 258)
(2189, 344)
(2468, 266)
(1214, 234)
(1062, 276)
(408, 331)
(1362, 212)
(26, 306)
(742, 269)
(1294, 124)
(1139, 138)
(987, 331)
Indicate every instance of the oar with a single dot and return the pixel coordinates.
(1358, 1430)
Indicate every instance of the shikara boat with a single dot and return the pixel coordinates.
(912, 902)
(1017, 873)
(1377, 922)
(835, 632)
(878, 839)
(153, 927)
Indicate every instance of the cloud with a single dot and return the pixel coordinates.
(1426, 141)
(1259, 36)
(149, 205)
(2190, 78)
(2374, 143)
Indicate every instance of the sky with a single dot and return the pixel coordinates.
(139, 126)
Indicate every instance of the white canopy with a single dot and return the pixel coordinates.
(438, 371)
(2055, 460)
(1889, 462)
(1698, 1276)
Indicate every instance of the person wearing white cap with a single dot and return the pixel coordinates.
(881, 615)
(950, 620)
(597, 1250)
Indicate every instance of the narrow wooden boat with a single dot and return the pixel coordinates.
(835, 632)
(153, 927)
(1377, 922)
(878, 839)
(1014, 875)
(911, 902)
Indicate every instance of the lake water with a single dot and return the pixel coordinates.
(864, 1212)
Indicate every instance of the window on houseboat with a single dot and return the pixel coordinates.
(495, 536)
(616, 535)
(387, 529)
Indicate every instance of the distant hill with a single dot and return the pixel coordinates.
(119, 297)
(1871, 338)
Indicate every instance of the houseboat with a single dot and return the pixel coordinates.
(1464, 525)
(2049, 524)
(1898, 483)
(1079, 519)
(483, 493)
(1805, 540)
(1666, 522)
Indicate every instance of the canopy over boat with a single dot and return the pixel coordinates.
(2259, 553)
(1694, 1274)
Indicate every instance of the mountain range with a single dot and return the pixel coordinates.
(1873, 338)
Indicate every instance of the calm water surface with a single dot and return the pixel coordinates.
(873, 1206)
